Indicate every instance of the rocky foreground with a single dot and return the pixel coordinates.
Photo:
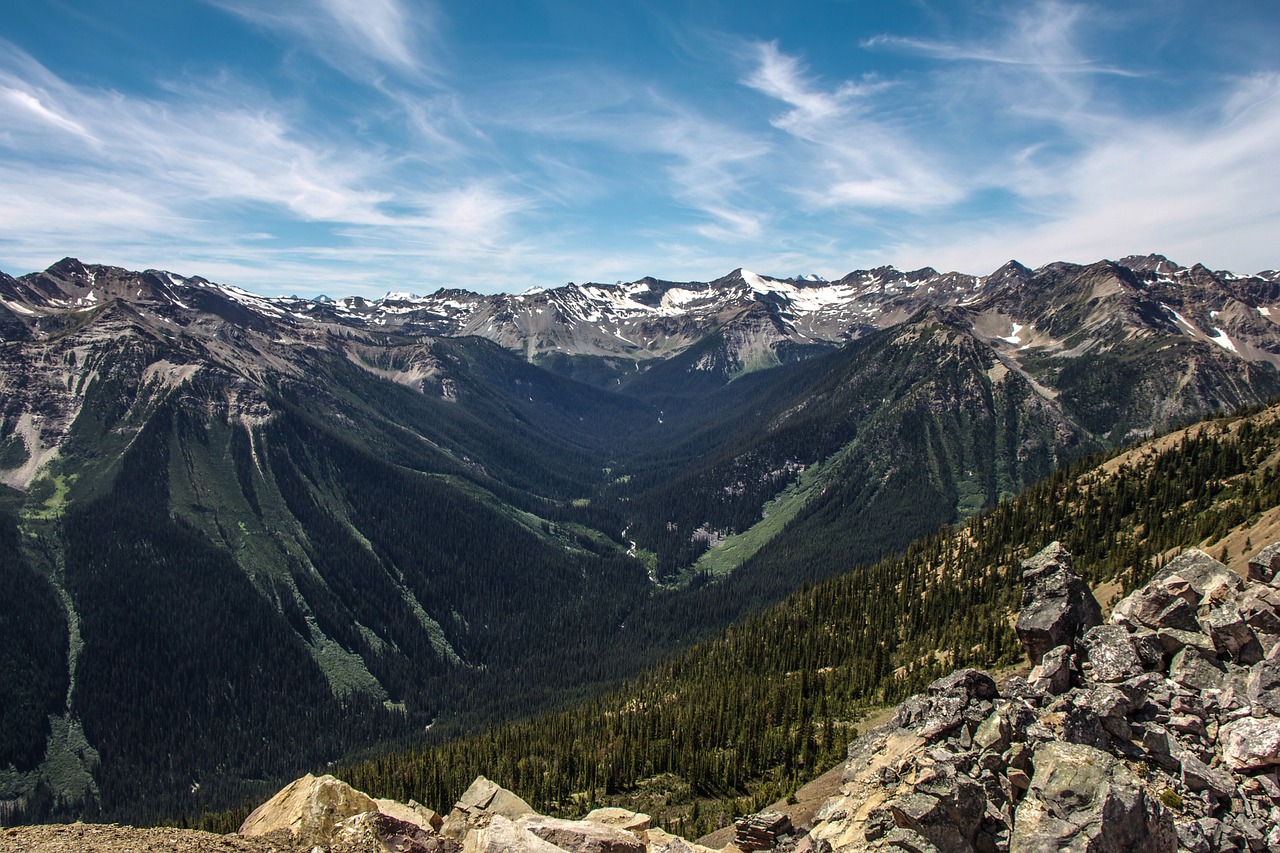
(1158, 730)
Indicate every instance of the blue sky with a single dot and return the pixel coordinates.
(360, 146)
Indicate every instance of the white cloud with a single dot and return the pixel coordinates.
(852, 153)
(1199, 187)
(388, 32)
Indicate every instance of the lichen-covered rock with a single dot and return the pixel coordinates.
(308, 809)
(1111, 652)
(1196, 670)
(1265, 565)
(943, 705)
(1251, 743)
(1264, 683)
(1232, 637)
(1082, 799)
(1057, 606)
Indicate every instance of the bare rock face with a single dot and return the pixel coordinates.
(499, 834)
(308, 809)
(377, 832)
(1155, 733)
(1057, 606)
(582, 836)
(1082, 799)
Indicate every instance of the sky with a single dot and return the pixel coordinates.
(362, 146)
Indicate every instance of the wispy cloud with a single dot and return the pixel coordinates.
(387, 32)
(863, 157)
(92, 170)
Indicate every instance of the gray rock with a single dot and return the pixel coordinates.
(1017, 687)
(1264, 683)
(1250, 743)
(943, 706)
(1192, 837)
(1082, 799)
(1158, 605)
(1057, 606)
(1173, 640)
(1111, 706)
(1260, 607)
(1201, 571)
(1198, 776)
(1264, 565)
(1111, 653)
(946, 809)
(1053, 674)
(994, 734)
(1196, 670)
(1232, 637)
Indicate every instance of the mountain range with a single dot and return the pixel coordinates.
(247, 535)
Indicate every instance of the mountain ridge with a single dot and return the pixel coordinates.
(461, 529)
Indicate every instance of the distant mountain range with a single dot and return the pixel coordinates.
(316, 524)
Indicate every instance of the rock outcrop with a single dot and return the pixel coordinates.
(1156, 731)
(308, 809)
(326, 815)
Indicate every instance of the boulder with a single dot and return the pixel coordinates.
(414, 813)
(1232, 637)
(943, 706)
(1112, 654)
(1082, 799)
(308, 809)
(660, 841)
(1203, 573)
(500, 834)
(1053, 674)
(1159, 605)
(582, 836)
(483, 799)
(1251, 743)
(1196, 670)
(620, 818)
(1265, 565)
(1057, 606)
(378, 832)
(1264, 683)
(961, 803)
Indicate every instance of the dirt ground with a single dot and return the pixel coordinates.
(110, 838)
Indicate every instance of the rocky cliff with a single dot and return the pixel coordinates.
(1157, 730)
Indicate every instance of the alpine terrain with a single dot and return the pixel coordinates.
(245, 536)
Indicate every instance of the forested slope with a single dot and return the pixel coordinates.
(765, 705)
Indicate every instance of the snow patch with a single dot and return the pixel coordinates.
(1180, 318)
(1223, 341)
(22, 309)
(1012, 337)
(1264, 311)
